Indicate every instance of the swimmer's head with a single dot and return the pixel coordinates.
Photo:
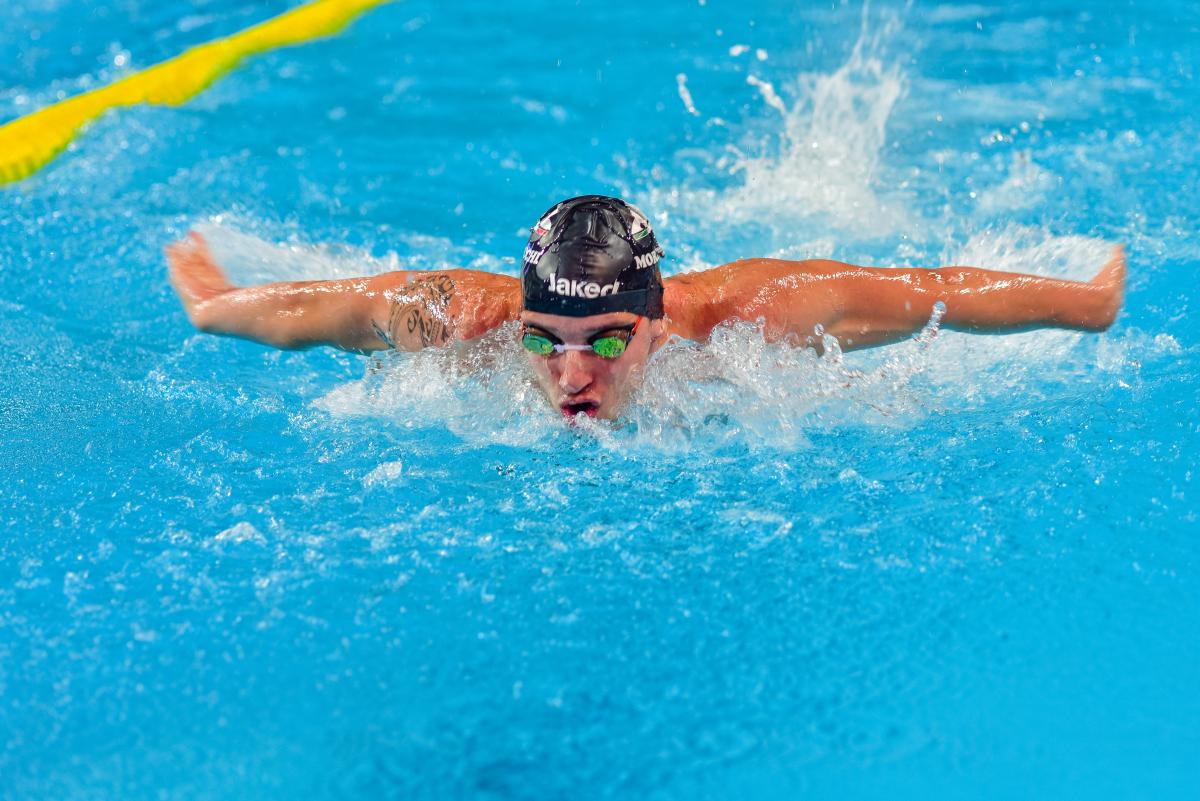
(592, 255)
(590, 280)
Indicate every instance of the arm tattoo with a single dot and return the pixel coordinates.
(419, 314)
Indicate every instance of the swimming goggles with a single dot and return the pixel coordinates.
(608, 345)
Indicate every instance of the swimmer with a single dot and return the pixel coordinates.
(592, 305)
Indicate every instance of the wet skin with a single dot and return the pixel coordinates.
(583, 382)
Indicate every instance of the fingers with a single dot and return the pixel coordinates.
(198, 242)
(1112, 274)
(192, 271)
(1110, 282)
(183, 250)
(194, 242)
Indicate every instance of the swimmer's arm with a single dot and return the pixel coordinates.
(286, 314)
(865, 306)
(880, 306)
(402, 310)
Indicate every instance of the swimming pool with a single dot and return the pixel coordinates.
(959, 567)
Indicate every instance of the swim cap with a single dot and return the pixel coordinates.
(592, 255)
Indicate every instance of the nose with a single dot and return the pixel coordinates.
(576, 372)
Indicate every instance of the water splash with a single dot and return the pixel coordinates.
(1025, 187)
(822, 164)
(685, 95)
(249, 252)
(830, 147)
(737, 389)
(481, 391)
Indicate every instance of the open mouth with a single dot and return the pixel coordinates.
(572, 408)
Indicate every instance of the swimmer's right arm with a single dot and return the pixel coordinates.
(403, 310)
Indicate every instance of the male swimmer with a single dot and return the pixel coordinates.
(593, 306)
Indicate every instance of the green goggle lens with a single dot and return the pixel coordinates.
(609, 347)
(604, 347)
(539, 345)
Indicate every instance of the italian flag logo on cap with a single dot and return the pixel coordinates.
(641, 225)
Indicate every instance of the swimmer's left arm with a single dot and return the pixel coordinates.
(880, 306)
(865, 306)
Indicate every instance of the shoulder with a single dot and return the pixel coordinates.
(481, 301)
(780, 291)
(745, 289)
(419, 308)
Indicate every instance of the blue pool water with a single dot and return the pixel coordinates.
(964, 567)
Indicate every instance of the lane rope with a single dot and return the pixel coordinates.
(29, 143)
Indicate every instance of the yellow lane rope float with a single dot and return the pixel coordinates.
(31, 142)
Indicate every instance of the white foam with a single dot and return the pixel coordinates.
(820, 164)
(738, 389)
(249, 258)
(768, 94)
(829, 149)
(480, 391)
(1025, 187)
(685, 95)
(241, 532)
(385, 473)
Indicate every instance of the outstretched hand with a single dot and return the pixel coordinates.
(194, 274)
(1111, 279)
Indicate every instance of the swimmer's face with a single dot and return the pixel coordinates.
(582, 380)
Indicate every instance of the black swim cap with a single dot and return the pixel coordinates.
(592, 255)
